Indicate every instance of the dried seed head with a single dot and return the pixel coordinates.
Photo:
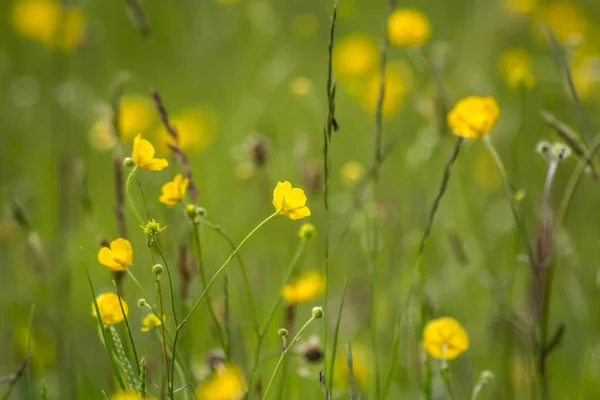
(313, 353)
(258, 150)
(214, 359)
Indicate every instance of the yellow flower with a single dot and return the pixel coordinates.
(515, 67)
(352, 172)
(46, 22)
(473, 117)
(152, 228)
(565, 19)
(408, 28)
(136, 115)
(118, 256)
(306, 287)
(290, 201)
(143, 155)
(226, 383)
(110, 309)
(151, 321)
(307, 232)
(361, 368)
(128, 396)
(585, 74)
(196, 129)
(174, 191)
(519, 6)
(354, 57)
(445, 338)
(394, 92)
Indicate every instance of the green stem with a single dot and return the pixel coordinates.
(170, 278)
(283, 354)
(128, 194)
(163, 331)
(445, 373)
(209, 302)
(135, 355)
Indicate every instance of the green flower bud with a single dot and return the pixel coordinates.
(157, 269)
(128, 162)
(317, 312)
(141, 303)
(282, 332)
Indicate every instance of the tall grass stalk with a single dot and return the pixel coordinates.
(336, 335)
(129, 333)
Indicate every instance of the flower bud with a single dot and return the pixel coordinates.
(282, 332)
(157, 269)
(317, 312)
(141, 303)
(307, 232)
(128, 162)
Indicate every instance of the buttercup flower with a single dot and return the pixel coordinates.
(519, 6)
(118, 256)
(361, 367)
(290, 201)
(306, 287)
(152, 228)
(354, 56)
(307, 232)
(143, 155)
(473, 117)
(515, 67)
(395, 90)
(136, 115)
(196, 128)
(226, 383)
(566, 18)
(126, 396)
(151, 321)
(352, 172)
(445, 338)
(110, 309)
(174, 191)
(408, 28)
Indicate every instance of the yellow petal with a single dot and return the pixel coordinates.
(299, 213)
(281, 190)
(295, 198)
(122, 250)
(155, 164)
(105, 257)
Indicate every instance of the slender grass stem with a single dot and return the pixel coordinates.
(128, 195)
(135, 354)
(209, 303)
(283, 354)
(163, 331)
(172, 295)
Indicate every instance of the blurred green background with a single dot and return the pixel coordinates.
(232, 72)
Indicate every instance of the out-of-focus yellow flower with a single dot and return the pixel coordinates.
(306, 287)
(408, 28)
(290, 201)
(352, 172)
(395, 90)
(304, 26)
(48, 23)
(565, 18)
(110, 309)
(174, 191)
(136, 115)
(101, 135)
(354, 57)
(474, 116)
(307, 231)
(519, 6)
(118, 257)
(151, 321)
(143, 155)
(301, 86)
(226, 383)
(361, 368)
(445, 338)
(196, 129)
(515, 67)
(585, 73)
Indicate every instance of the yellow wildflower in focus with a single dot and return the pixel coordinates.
(361, 368)
(304, 26)
(196, 129)
(151, 321)
(136, 115)
(352, 172)
(301, 86)
(118, 257)
(152, 228)
(354, 57)
(408, 28)
(226, 383)
(126, 396)
(174, 191)
(519, 6)
(306, 287)
(395, 91)
(48, 23)
(565, 18)
(445, 338)
(143, 155)
(515, 67)
(290, 201)
(473, 117)
(110, 309)
(307, 232)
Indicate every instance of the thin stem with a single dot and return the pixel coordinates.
(265, 328)
(135, 355)
(128, 195)
(249, 298)
(209, 302)
(445, 373)
(169, 276)
(164, 335)
(283, 354)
